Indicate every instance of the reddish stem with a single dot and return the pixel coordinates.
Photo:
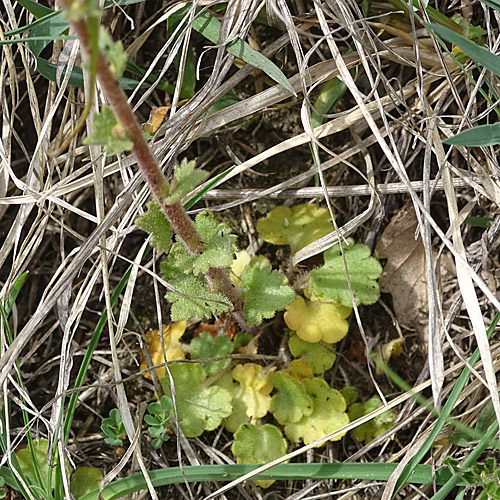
(181, 223)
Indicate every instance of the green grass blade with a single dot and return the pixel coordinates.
(484, 135)
(82, 372)
(330, 94)
(444, 415)
(196, 198)
(14, 292)
(35, 8)
(36, 39)
(478, 54)
(209, 27)
(42, 20)
(494, 4)
(424, 474)
(474, 455)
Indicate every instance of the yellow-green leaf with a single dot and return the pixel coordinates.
(296, 226)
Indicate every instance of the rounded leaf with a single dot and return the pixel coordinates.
(315, 321)
(328, 414)
(266, 291)
(330, 281)
(378, 425)
(205, 346)
(258, 445)
(292, 402)
(296, 226)
(199, 408)
(317, 356)
(84, 480)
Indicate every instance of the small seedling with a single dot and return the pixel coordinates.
(158, 420)
(113, 428)
(480, 475)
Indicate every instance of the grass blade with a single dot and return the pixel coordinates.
(444, 415)
(215, 181)
(209, 27)
(14, 292)
(484, 135)
(474, 455)
(35, 8)
(494, 4)
(478, 54)
(36, 39)
(372, 472)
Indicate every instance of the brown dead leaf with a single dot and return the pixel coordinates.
(156, 117)
(223, 325)
(404, 272)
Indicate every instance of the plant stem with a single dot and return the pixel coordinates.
(183, 227)
(121, 108)
(180, 221)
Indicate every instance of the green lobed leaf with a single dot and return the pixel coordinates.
(292, 403)
(238, 415)
(317, 356)
(241, 340)
(220, 244)
(330, 281)
(258, 445)
(219, 247)
(117, 57)
(484, 135)
(194, 299)
(199, 408)
(84, 480)
(350, 395)
(315, 321)
(186, 178)
(328, 414)
(266, 291)
(205, 346)
(181, 259)
(104, 133)
(155, 223)
(370, 430)
(297, 226)
(250, 395)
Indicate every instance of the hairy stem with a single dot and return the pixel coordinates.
(180, 221)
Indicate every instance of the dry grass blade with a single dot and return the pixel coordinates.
(69, 220)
